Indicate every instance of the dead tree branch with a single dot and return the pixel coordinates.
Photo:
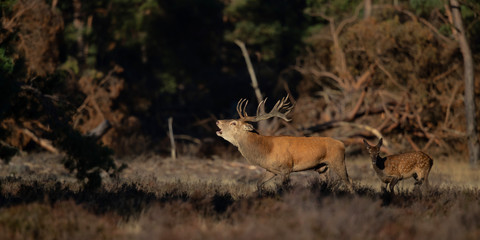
(172, 139)
(370, 129)
(44, 143)
(359, 103)
(253, 77)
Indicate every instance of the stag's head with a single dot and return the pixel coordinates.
(233, 130)
(373, 150)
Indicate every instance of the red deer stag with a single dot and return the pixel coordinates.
(394, 168)
(281, 155)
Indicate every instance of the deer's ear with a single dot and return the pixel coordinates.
(380, 142)
(248, 127)
(366, 144)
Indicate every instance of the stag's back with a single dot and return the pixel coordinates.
(307, 152)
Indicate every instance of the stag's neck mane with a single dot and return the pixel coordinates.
(255, 147)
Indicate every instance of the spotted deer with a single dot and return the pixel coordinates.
(282, 155)
(394, 168)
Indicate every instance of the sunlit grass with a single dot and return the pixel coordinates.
(158, 198)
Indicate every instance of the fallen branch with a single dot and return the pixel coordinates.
(389, 75)
(188, 138)
(452, 97)
(372, 130)
(359, 103)
(359, 141)
(44, 143)
(365, 77)
(331, 124)
(414, 146)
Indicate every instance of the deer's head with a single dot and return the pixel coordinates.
(233, 130)
(373, 150)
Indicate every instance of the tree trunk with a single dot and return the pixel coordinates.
(473, 144)
(78, 24)
(368, 9)
(262, 125)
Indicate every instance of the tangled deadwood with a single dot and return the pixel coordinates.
(393, 72)
(36, 26)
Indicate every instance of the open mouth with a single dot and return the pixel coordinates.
(219, 132)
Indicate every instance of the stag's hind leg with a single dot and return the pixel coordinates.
(322, 171)
(267, 176)
(341, 171)
(336, 162)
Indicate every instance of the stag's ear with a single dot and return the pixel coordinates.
(248, 127)
(366, 144)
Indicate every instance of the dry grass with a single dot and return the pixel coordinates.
(160, 198)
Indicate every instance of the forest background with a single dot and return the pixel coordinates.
(353, 69)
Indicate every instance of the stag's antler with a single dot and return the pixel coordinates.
(281, 105)
(241, 105)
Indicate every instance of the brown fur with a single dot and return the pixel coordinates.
(281, 155)
(394, 168)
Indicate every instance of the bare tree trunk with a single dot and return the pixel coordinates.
(173, 149)
(79, 25)
(367, 9)
(263, 124)
(473, 144)
(253, 77)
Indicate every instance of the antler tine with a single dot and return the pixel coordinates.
(281, 109)
(239, 107)
(286, 105)
(281, 105)
(260, 106)
(245, 115)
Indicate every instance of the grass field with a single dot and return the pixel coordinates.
(187, 198)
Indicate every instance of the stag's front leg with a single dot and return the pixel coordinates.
(267, 176)
(285, 178)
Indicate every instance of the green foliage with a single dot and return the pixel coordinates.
(269, 26)
(6, 6)
(425, 7)
(332, 8)
(6, 64)
(8, 87)
(28, 97)
(71, 64)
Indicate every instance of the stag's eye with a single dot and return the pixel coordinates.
(233, 123)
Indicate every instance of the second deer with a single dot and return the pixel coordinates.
(394, 168)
